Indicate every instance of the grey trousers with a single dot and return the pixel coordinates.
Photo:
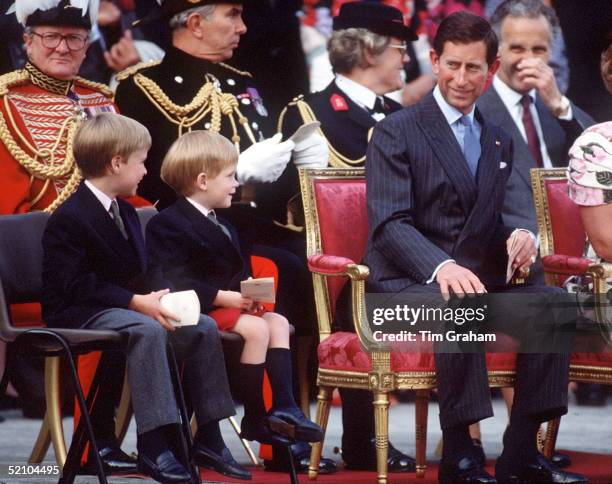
(197, 347)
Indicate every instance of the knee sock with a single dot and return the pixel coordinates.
(520, 439)
(153, 442)
(278, 366)
(252, 381)
(209, 435)
(456, 443)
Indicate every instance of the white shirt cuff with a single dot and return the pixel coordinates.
(435, 272)
(567, 116)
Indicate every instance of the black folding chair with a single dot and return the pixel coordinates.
(21, 282)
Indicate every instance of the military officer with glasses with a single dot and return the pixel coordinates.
(42, 104)
(367, 51)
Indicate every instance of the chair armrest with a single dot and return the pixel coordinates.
(566, 265)
(332, 265)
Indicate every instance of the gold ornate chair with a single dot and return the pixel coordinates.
(336, 229)
(562, 242)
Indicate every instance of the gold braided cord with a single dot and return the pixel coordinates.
(130, 71)
(48, 83)
(209, 100)
(336, 159)
(31, 164)
(69, 189)
(95, 86)
(233, 69)
(13, 79)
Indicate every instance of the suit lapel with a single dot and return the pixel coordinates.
(552, 133)
(132, 225)
(208, 230)
(105, 226)
(444, 145)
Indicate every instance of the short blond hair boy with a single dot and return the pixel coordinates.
(102, 137)
(194, 153)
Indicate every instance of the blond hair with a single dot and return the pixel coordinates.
(102, 137)
(194, 153)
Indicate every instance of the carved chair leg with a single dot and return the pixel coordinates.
(381, 428)
(421, 409)
(323, 406)
(304, 345)
(124, 412)
(54, 408)
(551, 437)
(42, 443)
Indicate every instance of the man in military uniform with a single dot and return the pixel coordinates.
(194, 88)
(367, 51)
(41, 107)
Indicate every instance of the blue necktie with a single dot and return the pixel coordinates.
(471, 145)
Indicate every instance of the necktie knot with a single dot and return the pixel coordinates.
(526, 101)
(465, 121)
(212, 216)
(379, 106)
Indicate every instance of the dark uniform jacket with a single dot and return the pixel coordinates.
(194, 253)
(346, 126)
(88, 266)
(179, 78)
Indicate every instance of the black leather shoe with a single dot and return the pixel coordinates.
(478, 452)
(114, 461)
(561, 460)
(295, 424)
(223, 463)
(539, 470)
(466, 470)
(165, 469)
(260, 431)
(591, 394)
(396, 461)
(300, 452)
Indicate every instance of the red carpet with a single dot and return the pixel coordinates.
(597, 467)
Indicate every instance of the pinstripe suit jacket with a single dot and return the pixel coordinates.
(425, 207)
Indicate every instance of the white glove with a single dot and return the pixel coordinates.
(311, 152)
(264, 161)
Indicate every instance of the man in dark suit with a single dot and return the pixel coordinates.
(436, 174)
(542, 132)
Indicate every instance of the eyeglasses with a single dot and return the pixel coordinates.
(51, 40)
(403, 47)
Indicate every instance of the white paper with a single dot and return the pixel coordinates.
(260, 290)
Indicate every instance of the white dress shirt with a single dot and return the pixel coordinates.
(512, 101)
(104, 199)
(201, 208)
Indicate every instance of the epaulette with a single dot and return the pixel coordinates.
(130, 71)
(95, 86)
(12, 79)
(237, 71)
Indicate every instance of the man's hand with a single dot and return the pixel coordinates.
(311, 152)
(149, 305)
(264, 161)
(108, 14)
(233, 299)
(522, 250)
(123, 54)
(537, 74)
(461, 281)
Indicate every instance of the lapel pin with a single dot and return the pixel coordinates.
(497, 142)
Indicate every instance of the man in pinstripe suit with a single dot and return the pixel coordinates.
(436, 175)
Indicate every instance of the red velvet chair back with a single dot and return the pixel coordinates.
(566, 225)
(343, 222)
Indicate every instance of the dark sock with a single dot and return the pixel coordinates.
(278, 367)
(153, 442)
(456, 443)
(209, 435)
(252, 381)
(520, 439)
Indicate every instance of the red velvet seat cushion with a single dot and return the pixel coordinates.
(592, 359)
(343, 351)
